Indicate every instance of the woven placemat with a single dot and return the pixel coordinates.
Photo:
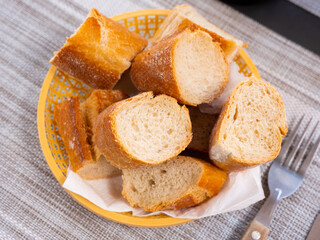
(32, 203)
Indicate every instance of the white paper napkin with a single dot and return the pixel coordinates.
(240, 190)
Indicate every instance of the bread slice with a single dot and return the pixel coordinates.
(143, 130)
(184, 16)
(74, 124)
(98, 101)
(202, 125)
(72, 129)
(187, 66)
(178, 183)
(250, 127)
(97, 169)
(99, 51)
(95, 104)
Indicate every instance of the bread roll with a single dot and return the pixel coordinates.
(178, 183)
(99, 51)
(184, 16)
(250, 127)
(143, 130)
(202, 125)
(187, 66)
(74, 121)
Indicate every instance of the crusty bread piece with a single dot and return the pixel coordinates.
(98, 168)
(72, 129)
(98, 101)
(184, 16)
(74, 121)
(187, 66)
(143, 130)
(95, 104)
(178, 183)
(250, 127)
(202, 125)
(99, 51)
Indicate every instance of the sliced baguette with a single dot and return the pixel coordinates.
(74, 124)
(143, 130)
(184, 16)
(178, 183)
(73, 131)
(98, 101)
(250, 127)
(187, 66)
(95, 104)
(202, 125)
(99, 51)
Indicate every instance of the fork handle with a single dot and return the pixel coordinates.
(256, 231)
(259, 227)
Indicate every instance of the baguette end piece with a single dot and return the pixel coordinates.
(187, 66)
(184, 16)
(196, 182)
(98, 53)
(250, 127)
(72, 129)
(75, 121)
(121, 130)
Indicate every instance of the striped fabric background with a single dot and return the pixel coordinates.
(32, 203)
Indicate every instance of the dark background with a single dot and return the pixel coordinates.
(285, 18)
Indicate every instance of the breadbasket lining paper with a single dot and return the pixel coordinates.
(239, 191)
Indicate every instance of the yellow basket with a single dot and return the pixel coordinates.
(58, 86)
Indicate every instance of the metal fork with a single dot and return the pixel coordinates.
(285, 177)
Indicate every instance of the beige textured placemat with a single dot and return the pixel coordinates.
(32, 203)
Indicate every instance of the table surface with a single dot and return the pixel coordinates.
(32, 203)
(289, 20)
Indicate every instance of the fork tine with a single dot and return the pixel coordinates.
(288, 141)
(304, 149)
(309, 157)
(290, 157)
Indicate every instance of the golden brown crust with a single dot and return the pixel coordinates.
(231, 162)
(229, 46)
(98, 101)
(157, 37)
(98, 53)
(211, 175)
(209, 185)
(108, 141)
(186, 201)
(95, 104)
(74, 121)
(124, 194)
(225, 44)
(152, 69)
(72, 129)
